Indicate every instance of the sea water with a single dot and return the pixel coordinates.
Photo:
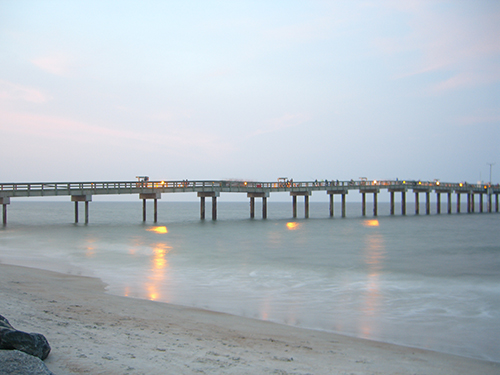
(427, 281)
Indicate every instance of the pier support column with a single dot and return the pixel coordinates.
(481, 203)
(331, 193)
(252, 196)
(489, 201)
(449, 202)
(202, 195)
(403, 203)
(306, 206)
(252, 207)
(427, 203)
(145, 197)
(202, 208)
(496, 202)
(294, 206)
(417, 204)
(363, 192)
(214, 208)
(82, 198)
(4, 201)
(306, 195)
(438, 203)
(392, 202)
(458, 203)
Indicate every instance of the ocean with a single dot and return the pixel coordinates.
(425, 281)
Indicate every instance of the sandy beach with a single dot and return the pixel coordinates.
(92, 332)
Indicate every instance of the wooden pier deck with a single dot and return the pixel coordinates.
(145, 189)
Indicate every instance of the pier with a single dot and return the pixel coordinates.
(153, 190)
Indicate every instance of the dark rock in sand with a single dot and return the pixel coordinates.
(31, 343)
(14, 362)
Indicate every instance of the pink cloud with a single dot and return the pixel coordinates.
(455, 42)
(58, 64)
(12, 91)
(59, 129)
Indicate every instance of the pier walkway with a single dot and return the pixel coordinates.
(152, 190)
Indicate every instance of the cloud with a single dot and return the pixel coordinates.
(58, 64)
(59, 129)
(13, 91)
(450, 40)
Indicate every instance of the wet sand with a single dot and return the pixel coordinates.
(92, 332)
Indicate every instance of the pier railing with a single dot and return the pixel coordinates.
(138, 187)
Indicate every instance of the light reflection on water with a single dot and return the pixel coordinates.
(374, 252)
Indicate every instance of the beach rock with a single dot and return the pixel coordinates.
(14, 362)
(31, 343)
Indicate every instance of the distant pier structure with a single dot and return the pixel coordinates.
(153, 190)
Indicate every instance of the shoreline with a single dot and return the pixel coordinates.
(93, 332)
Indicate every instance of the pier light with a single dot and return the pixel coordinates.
(437, 183)
(245, 183)
(374, 182)
(460, 184)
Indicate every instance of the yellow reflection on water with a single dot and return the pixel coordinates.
(90, 249)
(371, 223)
(160, 229)
(158, 273)
(292, 225)
(374, 256)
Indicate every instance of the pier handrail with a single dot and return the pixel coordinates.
(27, 189)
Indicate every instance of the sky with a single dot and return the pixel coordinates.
(252, 90)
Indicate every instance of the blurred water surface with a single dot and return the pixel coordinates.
(424, 281)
